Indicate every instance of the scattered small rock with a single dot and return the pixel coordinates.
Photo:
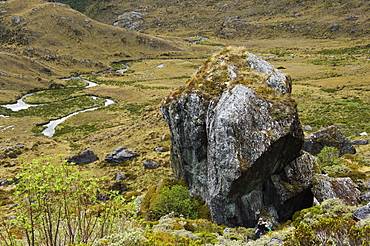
(159, 149)
(360, 142)
(150, 164)
(120, 176)
(362, 213)
(121, 154)
(84, 157)
(16, 19)
(9, 182)
(118, 186)
(165, 137)
(307, 128)
(334, 27)
(10, 165)
(351, 17)
(365, 196)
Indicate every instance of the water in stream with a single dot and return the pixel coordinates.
(50, 127)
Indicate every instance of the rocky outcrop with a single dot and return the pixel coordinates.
(236, 140)
(121, 154)
(325, 187)
(84, 157)
(330, 136)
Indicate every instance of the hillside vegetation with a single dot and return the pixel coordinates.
(42, 42)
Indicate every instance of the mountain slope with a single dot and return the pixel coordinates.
(236, 19)
(42, 41)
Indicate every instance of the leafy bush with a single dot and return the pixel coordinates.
(331, 223)
(175, 199)
(59, 206)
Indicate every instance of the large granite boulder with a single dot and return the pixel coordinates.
(330, 136)
(236, 140)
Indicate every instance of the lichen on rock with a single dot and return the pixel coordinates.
(234, 130)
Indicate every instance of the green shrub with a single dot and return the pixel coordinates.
(59, 206)
(329, 231)
(175, 199)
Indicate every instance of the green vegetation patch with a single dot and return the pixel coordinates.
(56, 110)
(79, 130)
(362, 49)
(331, 223)
(53, 95)
(172, 197)
(58, 205)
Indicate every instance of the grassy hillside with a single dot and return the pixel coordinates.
(235, 19)
(55, 41)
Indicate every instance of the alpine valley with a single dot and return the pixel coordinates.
(135, 122)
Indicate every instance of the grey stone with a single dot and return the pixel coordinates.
(330, 136)
(334, 27)
(84, 157)
(120, 176)
(118, 186)
(325, 187)
(360, 142)
(307, 128)
(121, 154)
(238, 149)
(362, 213)
(351, 17)
(150, 164)
(365, 196)
(159, 149)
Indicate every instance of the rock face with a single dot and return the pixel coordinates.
(236, 140)
(331, 137)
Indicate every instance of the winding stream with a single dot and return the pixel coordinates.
(20, 104)
(50, 127)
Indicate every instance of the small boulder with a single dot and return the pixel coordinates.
(307, 128)
(362, 213)
(325, 187)
(150, 164)
(334, 27)
(352, 18)
(118, 186)
(121, 154)
(84, 157)
(330, 136)
(365, 196)
(120, 176)
(360, 142)
(159, 149)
